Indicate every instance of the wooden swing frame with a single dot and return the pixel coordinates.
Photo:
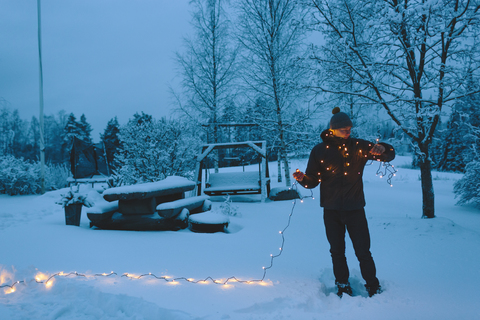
(258, 146)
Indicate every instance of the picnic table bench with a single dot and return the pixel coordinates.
(148, 206)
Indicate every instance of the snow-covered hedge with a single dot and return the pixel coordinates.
(18, 176)
(56, 176)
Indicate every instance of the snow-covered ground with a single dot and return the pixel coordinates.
(429, 269)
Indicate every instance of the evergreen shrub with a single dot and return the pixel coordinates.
(18, 176)
(467, 189)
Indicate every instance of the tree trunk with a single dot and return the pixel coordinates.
(279, 167)
(286, 166)
(428, 195)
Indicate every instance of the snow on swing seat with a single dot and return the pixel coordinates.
(233, 182)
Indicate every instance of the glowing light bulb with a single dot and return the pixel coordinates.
(9, 290)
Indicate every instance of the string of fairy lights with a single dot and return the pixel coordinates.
(48, 280)
(384, 169)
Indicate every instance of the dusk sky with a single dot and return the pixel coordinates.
(103, 58)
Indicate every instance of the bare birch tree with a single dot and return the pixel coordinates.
(207, 67)
(404, 56)
(272, 34)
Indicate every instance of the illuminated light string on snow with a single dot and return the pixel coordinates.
(388, 170)
(48, 280)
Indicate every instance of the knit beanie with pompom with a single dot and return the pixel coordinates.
(339, 119)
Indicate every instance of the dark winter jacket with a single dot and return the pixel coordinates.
(337, 164)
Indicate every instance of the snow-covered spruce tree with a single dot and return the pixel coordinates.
(272, 38)
(463, 129)
(467, 189)
(151, 150)
(454, 144)
(73, 128)
(207, 67)
(86, 129)
(111, 140)
(402, 53)
(54, 137)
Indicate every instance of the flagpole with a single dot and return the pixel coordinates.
(42, 139)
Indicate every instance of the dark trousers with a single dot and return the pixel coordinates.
(355, 222)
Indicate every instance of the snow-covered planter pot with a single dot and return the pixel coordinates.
(73, 202)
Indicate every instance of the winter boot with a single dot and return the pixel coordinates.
(344, 288)
(373, 290)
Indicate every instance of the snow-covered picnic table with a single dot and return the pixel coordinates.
(145, 197)
(148, 206)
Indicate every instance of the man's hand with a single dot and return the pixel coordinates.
(377, 150)
(298, 175)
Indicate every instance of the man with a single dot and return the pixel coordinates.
(337, 164)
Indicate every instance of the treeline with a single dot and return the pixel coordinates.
(143, 149)
(274, 69)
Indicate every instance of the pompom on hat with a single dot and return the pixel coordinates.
(339, 119)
